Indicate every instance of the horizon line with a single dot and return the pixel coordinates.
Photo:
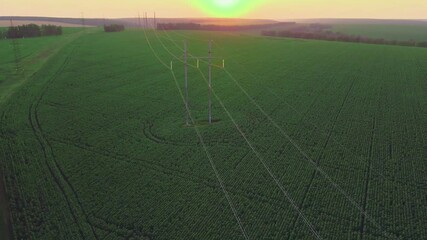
(237, 18)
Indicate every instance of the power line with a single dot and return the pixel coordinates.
(155, 21)
(261, 159)
(209, 57)
(320, 170)
(17, 53)
(324, 132)
(186, 82)
(219, 179)
(210, 83)
(321, 129)
(233, 208)
(270, 172)
(146, 20)
(83, 20)
(310, 160)
(306, 156)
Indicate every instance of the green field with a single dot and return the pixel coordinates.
(32, 54)
(311, 139)
(402, 32)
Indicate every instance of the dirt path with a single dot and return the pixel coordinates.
(37, 59)
(42, 56)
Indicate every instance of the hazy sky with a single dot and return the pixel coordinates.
(274, 9)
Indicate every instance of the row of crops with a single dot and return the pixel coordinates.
(96, 147)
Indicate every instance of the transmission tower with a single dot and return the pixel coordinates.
(209, 58)
(83, 20)
(210, 82)
(155, 21)
(186, 84)
(17, 53)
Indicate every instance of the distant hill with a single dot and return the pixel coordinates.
(128, 22)
(361, 21)
(133, 22)
(388, 29)
(6, 23)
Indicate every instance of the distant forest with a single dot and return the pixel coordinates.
(320, 32)
(30, 31)
(114, 28)
(195, 26)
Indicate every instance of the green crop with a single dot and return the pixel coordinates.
(93, 144)
(385, 31)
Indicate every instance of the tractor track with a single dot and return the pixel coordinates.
(47, 149)
(8, 135)
(314, 174)
(183, 175)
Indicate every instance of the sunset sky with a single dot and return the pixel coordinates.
(272, 9)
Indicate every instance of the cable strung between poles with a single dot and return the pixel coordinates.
(309, 159)
(261, 159)
(219, 179)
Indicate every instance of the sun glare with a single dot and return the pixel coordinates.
(226, 3)
(226, 8)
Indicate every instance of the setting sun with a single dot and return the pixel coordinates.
(225, 8)
(226, 3)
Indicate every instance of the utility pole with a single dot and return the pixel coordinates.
(209, 58)
(186, 84)
(210, 82)
(83, 20)
(155, 21)
(139, 20)
(17, 53)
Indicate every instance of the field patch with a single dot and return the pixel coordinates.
(386, 31)
(315, 139)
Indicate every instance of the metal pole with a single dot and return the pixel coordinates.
(186, 84)
(155, 21)
(210, 82)
(83, 20)
(16, 52)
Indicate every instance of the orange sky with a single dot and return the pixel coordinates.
(273, 9)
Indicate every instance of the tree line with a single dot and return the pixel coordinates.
(341, 37)
(31, 30)
(211, 27)
(114, 28)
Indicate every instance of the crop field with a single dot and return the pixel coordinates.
(402, 32)
(31, 55)
(311, 139)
